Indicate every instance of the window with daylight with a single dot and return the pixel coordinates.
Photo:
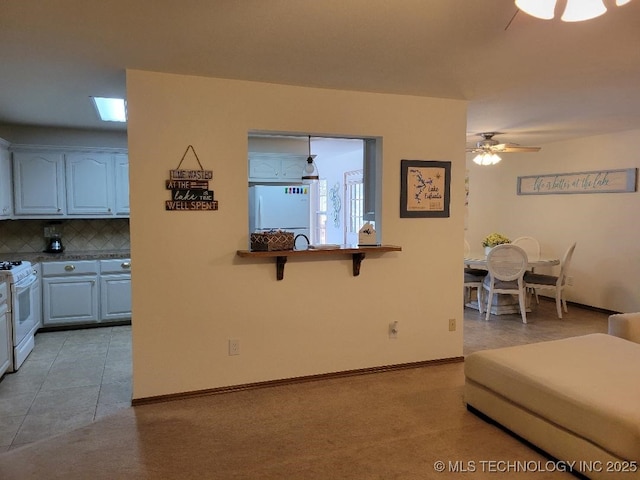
(321, 213)
(354, 194)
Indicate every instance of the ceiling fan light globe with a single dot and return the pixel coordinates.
(579, 10)
(486, 159)
(544, 9)
(619, 3)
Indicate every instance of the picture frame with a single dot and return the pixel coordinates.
(425, 188)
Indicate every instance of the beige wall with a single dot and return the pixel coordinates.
(191, 293)
(32, 135)
(606, 262)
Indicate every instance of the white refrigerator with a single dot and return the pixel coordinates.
(280, 207)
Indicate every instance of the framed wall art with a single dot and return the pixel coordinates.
(424, 188)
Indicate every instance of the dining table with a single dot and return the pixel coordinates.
(504, 304)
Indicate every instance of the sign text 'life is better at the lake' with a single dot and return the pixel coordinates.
(599, 181)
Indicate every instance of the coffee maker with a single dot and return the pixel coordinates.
(53, 235)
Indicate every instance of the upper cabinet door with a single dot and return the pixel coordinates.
(261, 168)
(122, 184)
(38, 183)
(6, 188)
(90, 183)
(276, 167)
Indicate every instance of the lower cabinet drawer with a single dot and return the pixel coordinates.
(73, 267)
(120, 265)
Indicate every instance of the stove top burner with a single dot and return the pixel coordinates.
(9, 265)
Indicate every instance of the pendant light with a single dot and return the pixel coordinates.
(310, 172)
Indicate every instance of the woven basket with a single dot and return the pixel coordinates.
(272, 241)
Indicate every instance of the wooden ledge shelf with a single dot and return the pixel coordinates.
(357, 254)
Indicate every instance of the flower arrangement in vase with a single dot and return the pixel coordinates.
(492, 240)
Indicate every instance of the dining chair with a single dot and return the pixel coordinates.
(532, 247)
(507, 265)
(473, 278)
(529, 245)
(474, 281)
(475, 271)
(537, 281)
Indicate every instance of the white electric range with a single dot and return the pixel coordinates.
(22, 304)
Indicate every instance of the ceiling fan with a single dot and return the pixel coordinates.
(487, 149)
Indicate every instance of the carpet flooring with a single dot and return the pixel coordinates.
(403, 424)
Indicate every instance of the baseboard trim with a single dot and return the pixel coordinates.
(291, 381)
(579, 305)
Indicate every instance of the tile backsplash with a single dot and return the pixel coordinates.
(79, 235)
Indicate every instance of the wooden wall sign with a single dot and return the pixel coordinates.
(190, 188)
(599, 181)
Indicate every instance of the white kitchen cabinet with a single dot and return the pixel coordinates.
(86, 291)
(275, 167)
(115, 289)
(122, 184)
(6, 187)
(70, 292)
(50, 182)
(90, 183)
(38, 180)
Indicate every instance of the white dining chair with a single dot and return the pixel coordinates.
(507, 265)
(473, 278)
(529, 245)
(537, 281)
(474, 281)
(532, 247)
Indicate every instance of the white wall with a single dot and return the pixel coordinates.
(606, 263)
(191, 293)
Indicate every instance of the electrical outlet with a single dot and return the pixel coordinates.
(452, 324)
(393, 330)
(234, 347)
(570, 281)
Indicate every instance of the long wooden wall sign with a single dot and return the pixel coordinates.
(190, 188)
(598, 181)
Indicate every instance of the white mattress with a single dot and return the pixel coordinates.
(589, 385)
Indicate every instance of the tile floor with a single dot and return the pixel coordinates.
(69, 380)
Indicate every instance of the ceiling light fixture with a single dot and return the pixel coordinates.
(575, 10)
(310, 172)
(111, 109)
(486, 159)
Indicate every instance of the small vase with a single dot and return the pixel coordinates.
(487, 250)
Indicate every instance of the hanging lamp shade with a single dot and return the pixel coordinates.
(575, 10)
(543, 9)
(310, 171)
(579, 10)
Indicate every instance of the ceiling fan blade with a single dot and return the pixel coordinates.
(512, 148)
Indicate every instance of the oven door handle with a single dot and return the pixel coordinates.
(25, 283)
